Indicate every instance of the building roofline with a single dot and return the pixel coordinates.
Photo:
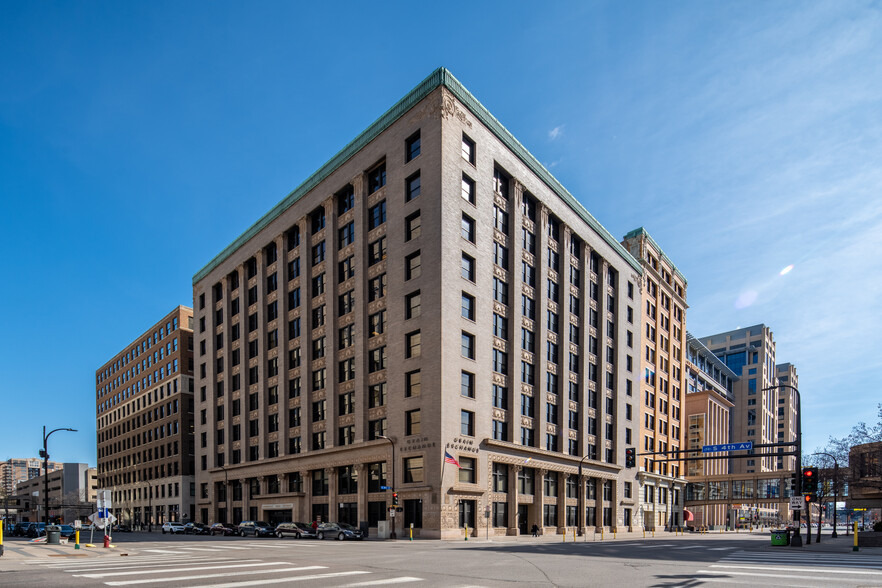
(641, 232)
(692, 340)
(439, 77)
(144, 334)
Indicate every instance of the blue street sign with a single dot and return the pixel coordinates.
(727, 447)
(103, 513)
(384, 487)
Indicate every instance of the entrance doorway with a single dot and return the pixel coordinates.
(274, 517)
(466, 513)
(523, 515)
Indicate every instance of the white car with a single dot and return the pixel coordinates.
(173, 527)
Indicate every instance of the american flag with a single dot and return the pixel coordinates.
(450, 459)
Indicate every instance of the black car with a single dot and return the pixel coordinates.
(339, 531)
(197, 529)
(297, 530)
(255, 529)
(20, 529)
(222, 529)
(35, 530)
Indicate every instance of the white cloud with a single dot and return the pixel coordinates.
(556, 132)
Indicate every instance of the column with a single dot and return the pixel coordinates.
(361, 472)
(539, 500)
(332, 493)
(513, 499)
(561, 503)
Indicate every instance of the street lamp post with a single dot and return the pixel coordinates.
(797, 538)
(834, 535)
(149, 506)
(581, 498)
(392, 535)
(46, 469)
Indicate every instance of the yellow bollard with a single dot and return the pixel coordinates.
(855, 548)
(601, 533)
(644, 532)
(653, 532)
(466, 531)
(574, 535)
(77, 539)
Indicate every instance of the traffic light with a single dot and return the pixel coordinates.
(794, 481)
(807, 498)
(395, 499)
(810, 481)
(630, 457)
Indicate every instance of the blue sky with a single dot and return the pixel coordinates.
(138, 139)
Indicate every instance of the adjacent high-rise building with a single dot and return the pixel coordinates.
(750, 353)
(429, 321)
(660, 368)
(144, 398)
(72, 494)
(709, 400)
(13, 471)
(788, 411)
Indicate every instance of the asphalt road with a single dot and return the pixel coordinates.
(232, 562)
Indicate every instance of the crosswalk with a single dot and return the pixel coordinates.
(203, 571)
(228, 547)
(794, 568)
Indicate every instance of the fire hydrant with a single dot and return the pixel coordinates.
(107, 541)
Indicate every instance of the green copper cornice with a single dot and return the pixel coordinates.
(439, 77)
(641, 232)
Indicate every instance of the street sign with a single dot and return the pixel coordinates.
(796, 503)
(746, 445)
(384, 488)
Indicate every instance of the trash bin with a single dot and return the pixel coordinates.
(780, 537)
(53, 535)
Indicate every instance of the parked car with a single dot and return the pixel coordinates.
(20, 529)
(298, 530)
(196, 529)
(339, 531)
(222, 529)
(121, 529)
(67, 531)
(173, 527)
(255, 529)
(35, 530)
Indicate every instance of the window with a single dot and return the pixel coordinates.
(500, 397)
(500, 432)
(318, 285)
(377, 323)
(271, 284)
(318, 316)
(413, 470)
(345, 200)
(346, 370)
(468, 267)
(412, 226)
(412, 266)
(377, 215)
(500, 255)
(345, 336)
(377, 395)
(377, 359)
(377, 251)
(500, 291)
(346, 403)
(346, 269)
(376, 178)
(412, 187)
(468, 189)
(468, 228)
(500, 361)
(294, 298)
(346, 302)
(467, 470)
(500, 220)
(468, 149)
(468, 345)
(412, 345)
(500, 183)
(412, 305)
(318, 379)
(412, 147)
(468, 306)
(467, 423)
(346, 235)
(318, 253)
(467, 387)
(500, 326)
(412, 384)
(527, 405)
(376, 287)
(412, 422)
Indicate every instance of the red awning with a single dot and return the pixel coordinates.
(687, 515)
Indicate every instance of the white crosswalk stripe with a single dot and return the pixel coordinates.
(800, 567)
(201, 570)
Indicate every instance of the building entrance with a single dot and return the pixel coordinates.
(523, 515)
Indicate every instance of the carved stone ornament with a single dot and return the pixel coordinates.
(450, 108)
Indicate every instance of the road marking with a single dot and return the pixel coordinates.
(281, 580)
(399, 580)
(788, 576)
(201, 548)
(792, 569)
(689, 547)
(153, 565)
(207, 576)
(249, 565)
(721, 548)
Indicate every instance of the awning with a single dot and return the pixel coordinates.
(687, 515)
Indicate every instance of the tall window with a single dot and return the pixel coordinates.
(377, 178)
(468, 149)
(412, 147)
(412, 187)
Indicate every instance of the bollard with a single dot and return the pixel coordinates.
(601, 533)
(466, 530)
(77, 539)
(855, 548)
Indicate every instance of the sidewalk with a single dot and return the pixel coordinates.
(25, 550)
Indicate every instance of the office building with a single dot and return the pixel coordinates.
(750, 354)
(72, 494)
(661, 365)
(709, 400)
(144, 400)
(788, 412)
(430, 291)
(13, 471)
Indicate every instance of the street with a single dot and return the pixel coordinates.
(232, 562)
